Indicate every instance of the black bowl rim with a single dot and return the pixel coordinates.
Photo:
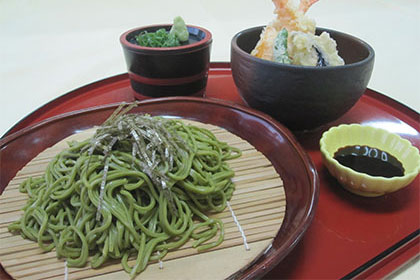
(125, 43)
(371, 55)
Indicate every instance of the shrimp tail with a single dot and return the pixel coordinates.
(304, 5)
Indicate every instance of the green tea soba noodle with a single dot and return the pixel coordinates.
(140, 187)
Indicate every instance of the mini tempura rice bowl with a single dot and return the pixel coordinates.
(301, 97)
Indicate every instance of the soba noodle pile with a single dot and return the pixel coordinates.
(142, 186)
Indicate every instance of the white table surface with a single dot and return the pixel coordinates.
(48, 48)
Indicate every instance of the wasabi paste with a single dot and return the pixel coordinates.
(180, 29)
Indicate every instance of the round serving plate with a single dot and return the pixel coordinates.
(278, 145)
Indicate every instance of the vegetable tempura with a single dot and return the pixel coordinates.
(290, 38)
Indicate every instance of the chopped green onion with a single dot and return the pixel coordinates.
(157, 39)
(162, 38)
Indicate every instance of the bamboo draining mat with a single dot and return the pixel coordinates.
(258, 202)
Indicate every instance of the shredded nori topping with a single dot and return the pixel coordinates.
(149, 139)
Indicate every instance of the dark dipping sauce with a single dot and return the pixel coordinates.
(369, 160)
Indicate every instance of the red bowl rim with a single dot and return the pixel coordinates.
(123, 39)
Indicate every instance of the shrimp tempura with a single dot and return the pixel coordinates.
(288, 16)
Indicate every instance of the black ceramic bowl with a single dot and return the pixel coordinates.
(301, 97)
(168, 71)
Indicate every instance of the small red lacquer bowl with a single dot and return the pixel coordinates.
(168, 71)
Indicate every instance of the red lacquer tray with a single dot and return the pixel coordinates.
(350, 236)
